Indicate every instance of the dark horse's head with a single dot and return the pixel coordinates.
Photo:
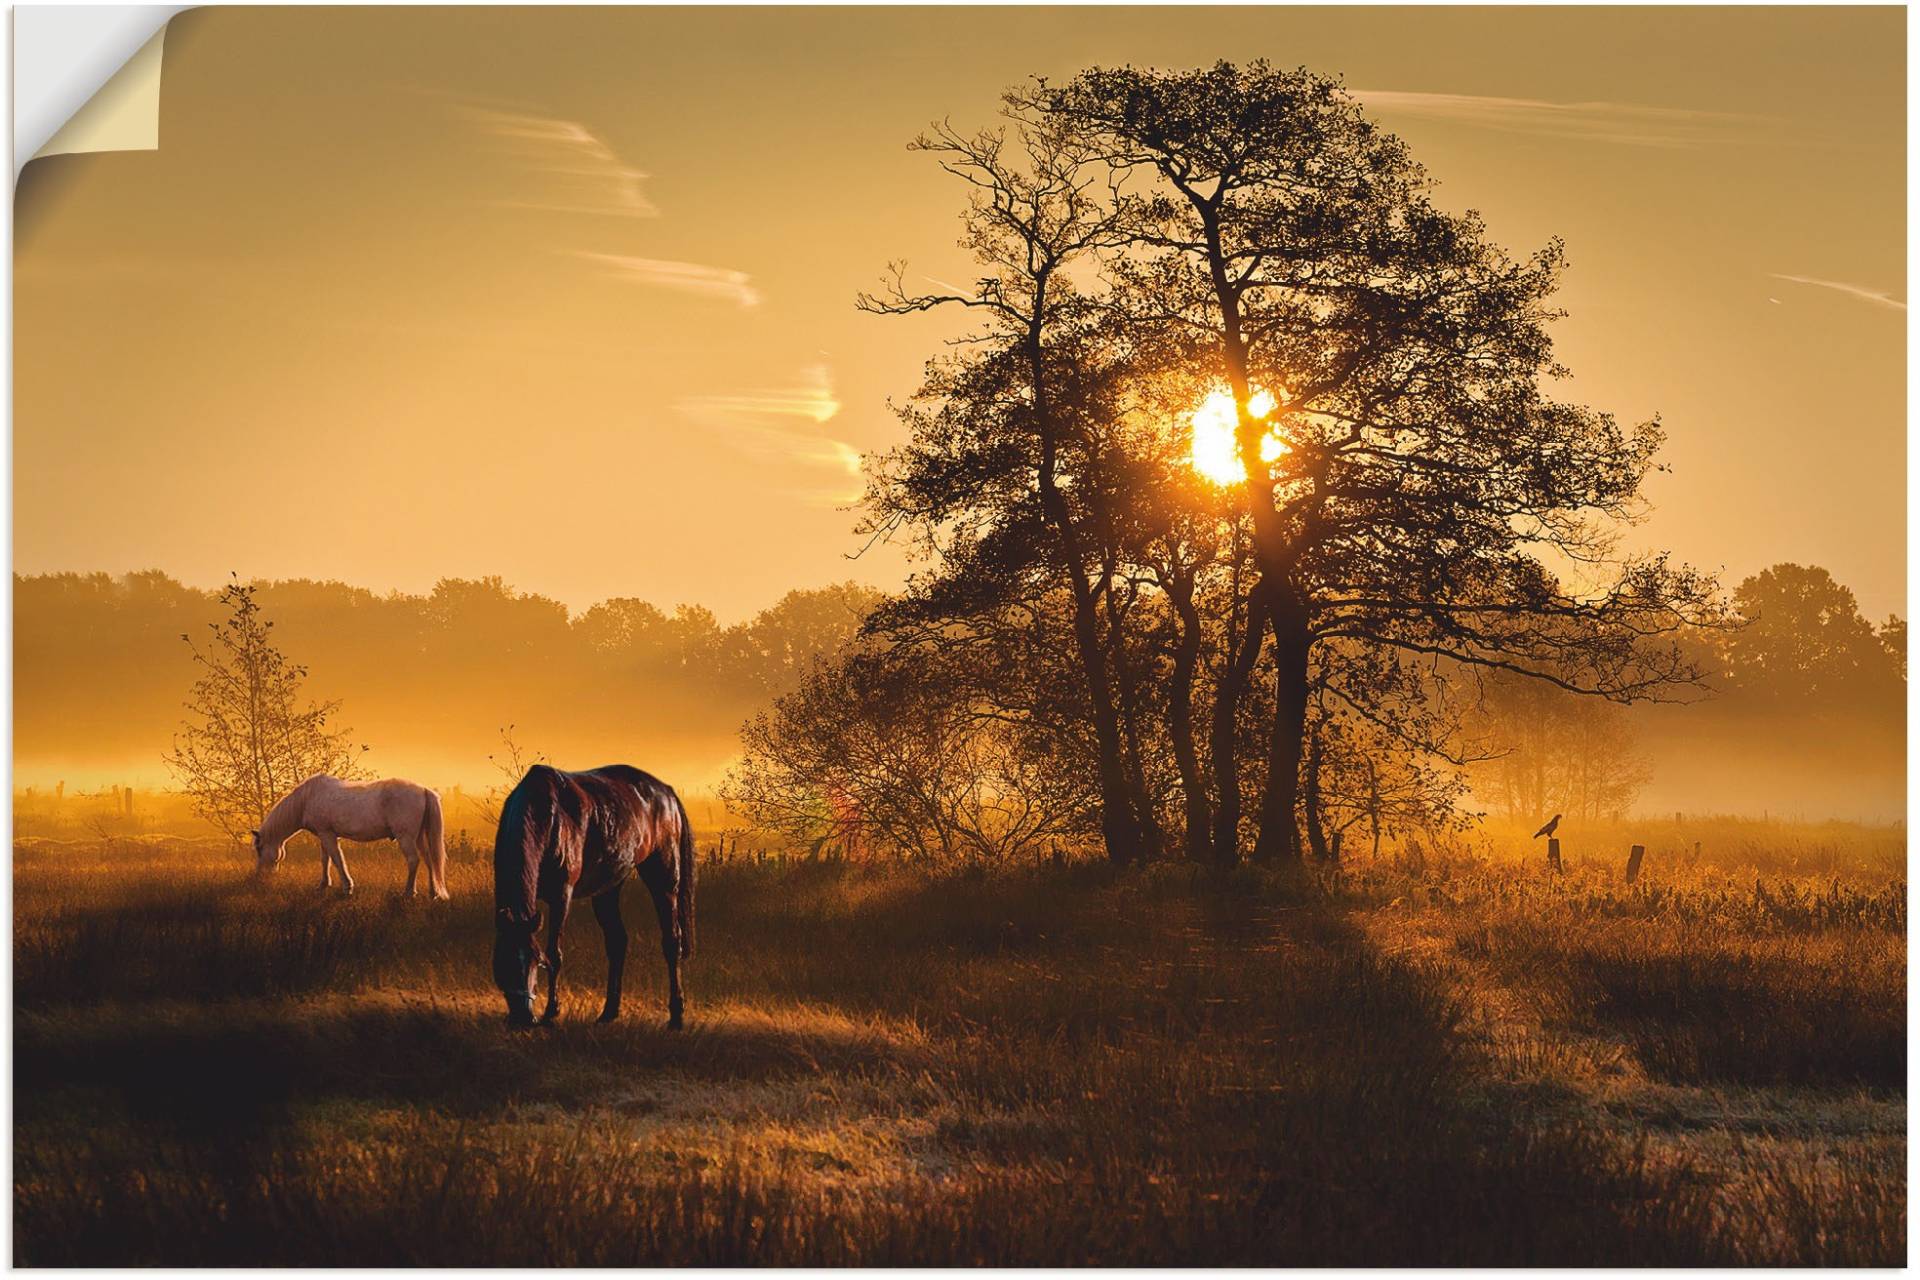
(516, 962)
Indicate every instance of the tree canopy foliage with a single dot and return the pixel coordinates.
(1805, 641)
(1405, 507)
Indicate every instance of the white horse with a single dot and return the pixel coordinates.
(333, 810)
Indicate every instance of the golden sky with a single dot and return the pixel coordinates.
(566, 295)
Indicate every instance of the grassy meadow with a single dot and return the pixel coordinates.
(1443, 1056)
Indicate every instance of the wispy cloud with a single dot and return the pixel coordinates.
(780, 422)
(959, 290)
(812, 399)
(1620, 123)
(688, 277)
(578, 171)
(1879, 297)
(814, 403)
(564, 166)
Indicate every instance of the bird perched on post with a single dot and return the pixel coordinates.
(1552, 826)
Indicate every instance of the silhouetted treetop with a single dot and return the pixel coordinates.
(1399, 475)
(1805, 639)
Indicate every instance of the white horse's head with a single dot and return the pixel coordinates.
(266, 857)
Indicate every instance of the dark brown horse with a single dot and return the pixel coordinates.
(585, 834)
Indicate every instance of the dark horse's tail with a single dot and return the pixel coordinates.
(684, 900)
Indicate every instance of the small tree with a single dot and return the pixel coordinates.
(250, 736)
(511, 763)
(880, 754)
(1385, 748)
(1555, 752)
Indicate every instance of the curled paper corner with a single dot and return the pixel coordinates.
(62, 54)
(124, 115)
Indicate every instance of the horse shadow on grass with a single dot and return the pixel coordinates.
(245, 1073)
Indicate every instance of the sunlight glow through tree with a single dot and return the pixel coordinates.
(1214, 453)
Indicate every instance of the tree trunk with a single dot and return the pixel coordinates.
(1234, 674)
(1279, 839)
(1316, 831)
(1186, 658)
(1152, 840)
(1119, 829)
(1373, 804)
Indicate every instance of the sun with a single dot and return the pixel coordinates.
(1214, 453)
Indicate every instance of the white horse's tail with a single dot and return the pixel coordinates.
(433, 846)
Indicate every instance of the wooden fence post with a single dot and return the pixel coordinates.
(1633, 862)
(1553, 853)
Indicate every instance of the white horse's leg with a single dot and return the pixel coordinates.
(331, 844)
(326, 865)
(411, 849)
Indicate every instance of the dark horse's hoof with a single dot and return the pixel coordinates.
(519, 1019)
(610, 1015)
(676, 1024)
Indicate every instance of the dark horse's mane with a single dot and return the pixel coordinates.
(590, 831)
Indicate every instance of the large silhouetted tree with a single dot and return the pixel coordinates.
(1413, 485)
(1406, 485)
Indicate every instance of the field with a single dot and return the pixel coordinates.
(1444, 1058)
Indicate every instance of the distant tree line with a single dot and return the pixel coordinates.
(1807, 679)
(101, 675)
(1803, 678)
(1806, 647)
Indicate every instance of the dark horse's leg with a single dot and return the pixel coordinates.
(654, 871)
(556, 920)
(606, 909)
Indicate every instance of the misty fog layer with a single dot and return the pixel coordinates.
(428, 683)
(1807, 715)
